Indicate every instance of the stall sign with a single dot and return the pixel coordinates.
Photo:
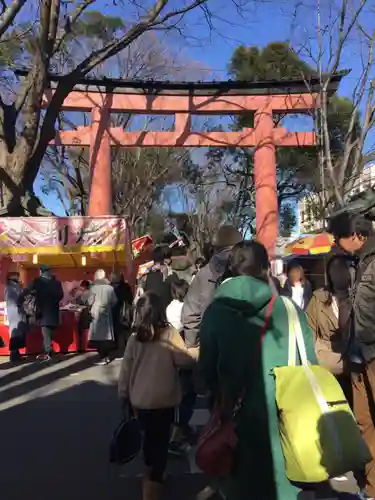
(58, 235)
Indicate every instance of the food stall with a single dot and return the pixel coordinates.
(74, 247)
(312, 252)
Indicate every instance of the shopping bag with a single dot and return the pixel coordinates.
(126, 442)
(319, 435)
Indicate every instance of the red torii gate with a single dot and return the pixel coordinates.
(102, 97)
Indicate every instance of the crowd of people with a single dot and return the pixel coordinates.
(207, 335)
(209, 331)
(106, 311)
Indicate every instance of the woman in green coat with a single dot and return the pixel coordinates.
(234, 357)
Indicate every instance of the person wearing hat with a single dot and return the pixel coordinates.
(196, 302)
(48, 293)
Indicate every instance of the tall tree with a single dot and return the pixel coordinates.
(298, 168)
(336, 29)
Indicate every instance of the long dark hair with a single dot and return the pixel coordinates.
(248, 258)
(150, 318)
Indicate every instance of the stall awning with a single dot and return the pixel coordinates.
(313, 244)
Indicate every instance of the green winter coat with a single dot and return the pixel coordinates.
(232, 358)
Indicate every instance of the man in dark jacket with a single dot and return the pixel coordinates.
(205, 282)
(196, 302)
(159, 279)
(122, 311)
(48, 292)
(355, 235)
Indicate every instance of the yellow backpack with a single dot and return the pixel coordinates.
(319, 435)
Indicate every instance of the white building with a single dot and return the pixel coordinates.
(309, 219)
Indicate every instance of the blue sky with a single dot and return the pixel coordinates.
(261, 22)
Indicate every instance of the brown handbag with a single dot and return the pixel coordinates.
(218, 441)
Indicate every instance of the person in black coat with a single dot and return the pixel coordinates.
(122, 311)
(48, 292)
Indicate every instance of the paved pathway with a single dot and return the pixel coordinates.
(55, 426)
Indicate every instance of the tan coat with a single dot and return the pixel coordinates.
(149, 370)
(324, 324)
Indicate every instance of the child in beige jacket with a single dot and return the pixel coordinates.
(149, 381)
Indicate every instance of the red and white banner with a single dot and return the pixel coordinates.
(56, 235)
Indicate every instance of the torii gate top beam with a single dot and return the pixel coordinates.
(230, 97)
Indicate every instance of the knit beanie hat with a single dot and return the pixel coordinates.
(227, 236)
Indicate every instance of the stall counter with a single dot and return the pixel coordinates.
(67, 338)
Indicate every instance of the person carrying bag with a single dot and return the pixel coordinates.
(149, 382)
(235, 354)
(217, 443)
(319, 435)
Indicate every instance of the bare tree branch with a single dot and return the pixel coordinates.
(80, 9)
(149, 22)
(9, 14)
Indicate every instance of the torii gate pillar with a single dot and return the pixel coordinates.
(100, 197)
(266, 203)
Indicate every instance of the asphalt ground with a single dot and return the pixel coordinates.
(55, 427)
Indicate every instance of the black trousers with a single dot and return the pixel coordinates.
(189, 398)
(47, 332)
(156, 425)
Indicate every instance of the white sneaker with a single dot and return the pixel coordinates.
(340, 479)
(102, 362)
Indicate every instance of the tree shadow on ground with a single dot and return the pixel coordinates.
(56, 448)
(52, 373)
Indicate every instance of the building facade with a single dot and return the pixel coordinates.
(309, 219)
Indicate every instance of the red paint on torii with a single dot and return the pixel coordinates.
(264, 137)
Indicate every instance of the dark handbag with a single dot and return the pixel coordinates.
(218, 441)
(126, 315)
(30, 307)
(126, 442)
